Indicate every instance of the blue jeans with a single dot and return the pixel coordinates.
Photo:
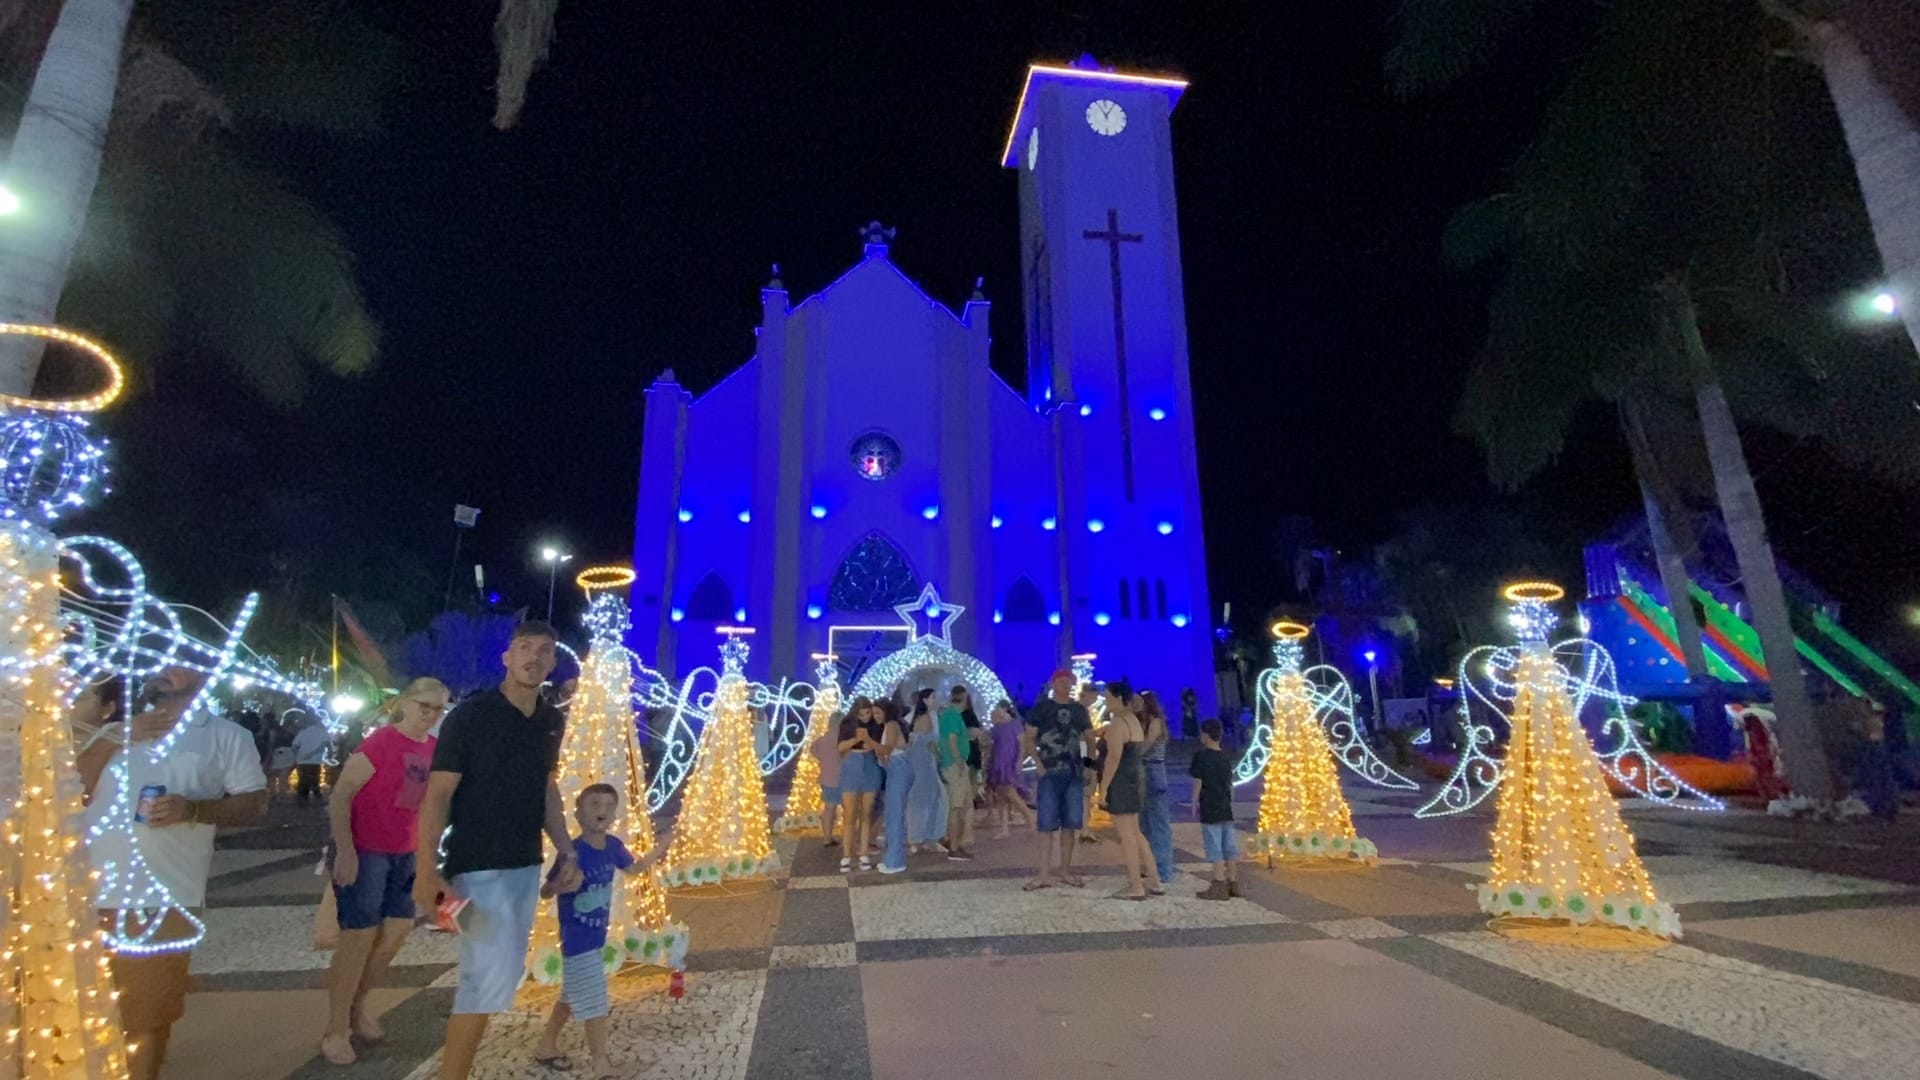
(1221, 843)
(1156, 819)
(899, 779)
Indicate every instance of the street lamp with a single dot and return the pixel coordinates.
(555, 559)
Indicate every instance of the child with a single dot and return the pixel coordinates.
(583, 928)
(1213, 804)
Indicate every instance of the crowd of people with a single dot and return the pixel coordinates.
(900, 780)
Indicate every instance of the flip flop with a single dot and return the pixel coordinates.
(557, 1063)
(1036, 885)
(1126, 896)
(1076, 882)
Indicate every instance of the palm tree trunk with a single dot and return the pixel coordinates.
(53, 166)
(1805, 756)
(1663, 510)
(1882, 137)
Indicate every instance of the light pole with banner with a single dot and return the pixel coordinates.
(464, 517)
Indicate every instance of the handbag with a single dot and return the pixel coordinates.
(326, 916)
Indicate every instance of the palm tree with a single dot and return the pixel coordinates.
(142, 224)
(1647, 254)
(1868, 51)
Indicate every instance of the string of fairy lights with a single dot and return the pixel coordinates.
(1329, 700)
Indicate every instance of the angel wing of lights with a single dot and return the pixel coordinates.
(1486, 674)
(789, 705)
(1332, 699)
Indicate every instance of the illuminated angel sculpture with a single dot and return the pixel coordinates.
(722, 831)
(603, 747)
(1330, 700)
(806, 807)
(1304, 815)
(1563, 861)
(1489, 675)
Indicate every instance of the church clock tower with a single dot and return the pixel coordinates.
(1107, 359)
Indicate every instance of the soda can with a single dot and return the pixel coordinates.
(144, 807)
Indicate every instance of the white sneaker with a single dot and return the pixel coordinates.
(893, 869)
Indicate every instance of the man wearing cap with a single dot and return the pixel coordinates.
(1055, 727)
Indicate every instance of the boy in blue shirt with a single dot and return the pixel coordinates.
(583, 917)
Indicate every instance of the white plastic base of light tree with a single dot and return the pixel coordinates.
(663, 948)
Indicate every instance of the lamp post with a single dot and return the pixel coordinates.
(1373, 690)
(555, 559)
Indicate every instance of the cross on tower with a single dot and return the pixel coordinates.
(1114, 238)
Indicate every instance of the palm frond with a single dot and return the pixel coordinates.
(522, 34)
(265, 280)
(1440, 42)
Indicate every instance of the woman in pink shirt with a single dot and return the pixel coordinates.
(375, 813)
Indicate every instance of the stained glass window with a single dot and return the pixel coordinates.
(875, 456)
(874, 577)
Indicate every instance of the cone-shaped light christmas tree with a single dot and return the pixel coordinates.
(805, 809)
(1303, 813)
(603, 747)
(56, 992)
(722, 829)
(1561, 854)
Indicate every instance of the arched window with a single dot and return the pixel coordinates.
(1024, 603)
(1146, 599)
(1126, 600)
(873, 577)
(1160, 597)
(712, 600)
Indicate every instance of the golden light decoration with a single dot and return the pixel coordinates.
(1545, 592)
(603, 747)
(605, 577)
(1304, 816)
(94, 402)
(1288, 630)
(1564, 865)
(806, 808)
(57, 993)
(722, 831)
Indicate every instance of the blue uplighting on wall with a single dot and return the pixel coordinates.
(686, 516)
(1165, 528)
(999, 617)
(678, 614)
(818, 511)
(740, 615)
(1156, 413)
(1101, 618)
(1086, 410)
(1180, 621)
(1053, 618)
(745, 516)
(1095, 525)
(931, 513)
(996, 522)
(814, 611)
(1047, 524)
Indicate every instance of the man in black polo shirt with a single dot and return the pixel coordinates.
(493, 785)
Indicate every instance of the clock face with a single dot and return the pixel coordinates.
(1106, 117)
(1033, 150)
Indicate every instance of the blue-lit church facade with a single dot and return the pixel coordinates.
(867, 448)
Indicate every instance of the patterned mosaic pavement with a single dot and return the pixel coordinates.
(1802, 958)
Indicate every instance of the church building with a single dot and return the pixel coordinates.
(867, 450)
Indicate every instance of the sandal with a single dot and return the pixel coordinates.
(865, 863)
(1126, 896)
(1036, 885)
(557, 1063)
(846, 865)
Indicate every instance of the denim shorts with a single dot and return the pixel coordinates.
(1060, 802)
(1221, 843)
(859, 773)
(382, 890)
(493, 945)
(830, 797)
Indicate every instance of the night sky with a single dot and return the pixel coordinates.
(531, 283)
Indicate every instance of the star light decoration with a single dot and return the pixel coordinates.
(1493, 677)
(1563, 860)
(929, 650)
